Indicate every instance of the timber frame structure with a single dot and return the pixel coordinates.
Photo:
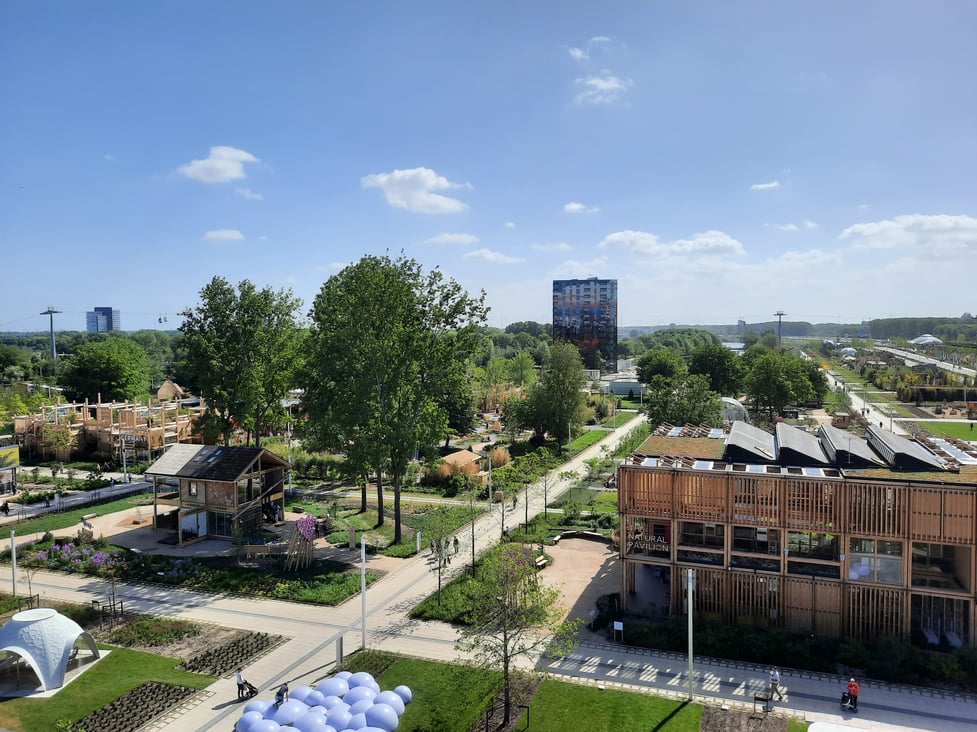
(859, 553)
(206, 491)
(143, 432)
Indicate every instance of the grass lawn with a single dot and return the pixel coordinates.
(72, 517)
(446, 698)
(122, 671)
(558, 706)
(960, 430)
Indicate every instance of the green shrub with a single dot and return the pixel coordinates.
(150, 630)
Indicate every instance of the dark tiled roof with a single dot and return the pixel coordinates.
(798, 447)
(210, 462)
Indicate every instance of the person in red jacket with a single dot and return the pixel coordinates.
(853, 694)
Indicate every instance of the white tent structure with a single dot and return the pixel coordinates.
(46, 640)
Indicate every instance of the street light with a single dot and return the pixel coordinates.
(689, 582)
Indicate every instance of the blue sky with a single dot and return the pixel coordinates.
(722, 160)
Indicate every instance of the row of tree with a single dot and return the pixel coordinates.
(682, 391)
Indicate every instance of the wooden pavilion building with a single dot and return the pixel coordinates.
(835, 534)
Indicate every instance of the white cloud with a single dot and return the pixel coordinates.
(223, 235)
(603, 88)
(862, 206)
(413, 190)
(110, 158)
(487, 255)
(560, 246)
(810, 224)
(574, 268)
(264, 237)
(787, 227)
(765, 186)
(938, 234)
(510, 224)
(446, 238)
(582, 54)
(641, 242)
(576, 207)
(222, 165)
(249, 194)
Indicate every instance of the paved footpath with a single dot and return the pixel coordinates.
(315, 633)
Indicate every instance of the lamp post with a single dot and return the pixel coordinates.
(525, 502)
(690, 592)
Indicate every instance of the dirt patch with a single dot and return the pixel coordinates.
(714, 719)
(210, 637)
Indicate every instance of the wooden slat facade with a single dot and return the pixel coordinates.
(835, 556)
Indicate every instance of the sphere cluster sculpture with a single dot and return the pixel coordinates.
(346, 702)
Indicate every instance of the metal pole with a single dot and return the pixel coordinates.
(13, 560)
(363, 584)
(691, 591)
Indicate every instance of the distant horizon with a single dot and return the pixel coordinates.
(621, 328)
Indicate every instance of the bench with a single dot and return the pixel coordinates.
(541, 562)
(761, 698)
(89, 516)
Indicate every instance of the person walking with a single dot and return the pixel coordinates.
(281, 696)
(775, 684)
(239, 677)
(853, 694)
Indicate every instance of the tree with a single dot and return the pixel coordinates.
(555, 404)
(387, 342)
(114, 368)
(685, 399)
(778, 379)
(720, 365)
(513, 614)
(241, 348)
(522, 369)
(659, 362)
(58, 439)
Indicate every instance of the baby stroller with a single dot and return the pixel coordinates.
(846, 702)
(249, 689)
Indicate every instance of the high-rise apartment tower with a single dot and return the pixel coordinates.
(585, 314)
(102, 320)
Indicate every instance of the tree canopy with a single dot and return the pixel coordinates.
(683, 399)
(660, 361)
(115, 368)
(241, 345)
(720, 365)
(387, 345)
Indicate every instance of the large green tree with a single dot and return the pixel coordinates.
(776, 380)
(684, 399)
(661, 361)
(720, 365)
(114, 368)
(555, 405)
(241, 347)
(387, 343)
(513, 614)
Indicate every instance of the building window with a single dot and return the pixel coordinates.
(812, 545)
(193, 488)
(941, 566)
(757, 541)
(705, 535)
(871, 560)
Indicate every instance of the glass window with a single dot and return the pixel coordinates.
(875, 561)
(699, 534)
(759, 541)
(812, 545)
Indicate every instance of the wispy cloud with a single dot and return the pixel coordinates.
(510, 224)
(787, 227)
(576, 207)
(488, 255)
(765, 186)
(413, 190)
(643, 243)
(572, 268)
(560, 246)
(249, 194)
(810, 224)
(940, 234)
(446, 238)
(224, 164)
(110, 158)
(582, 54)
(602, 88)
(223, 235)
